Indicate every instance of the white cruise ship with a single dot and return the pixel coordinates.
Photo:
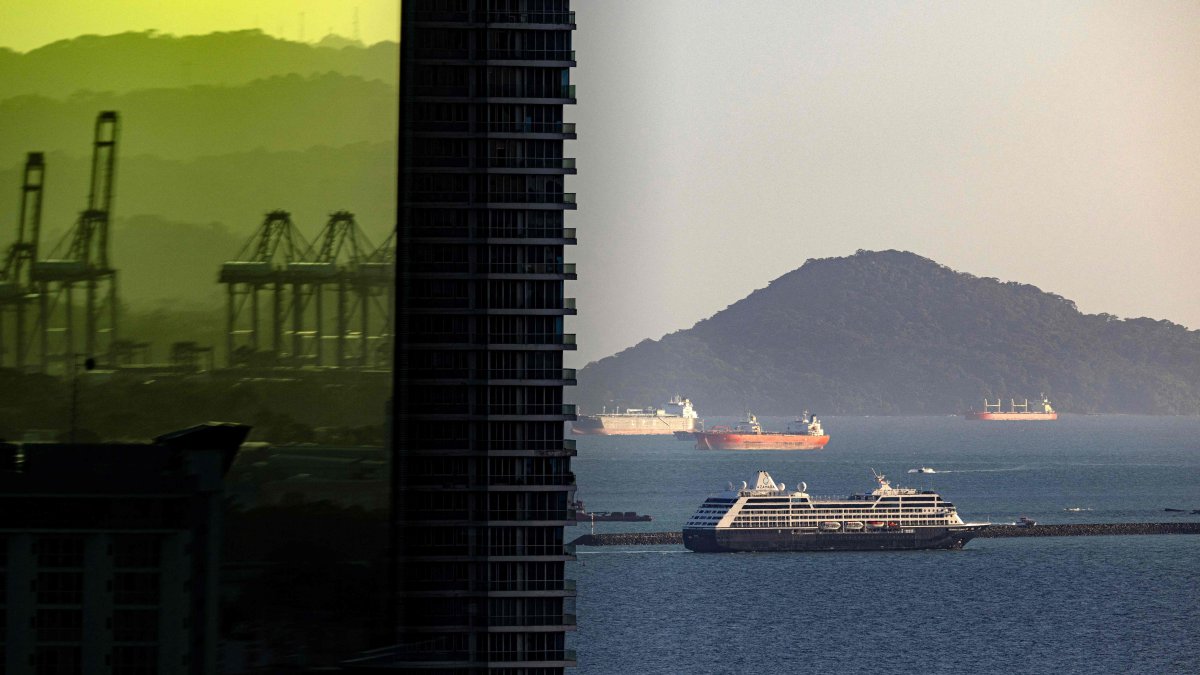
(769, 517)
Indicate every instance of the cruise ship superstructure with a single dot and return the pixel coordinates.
(769, 517)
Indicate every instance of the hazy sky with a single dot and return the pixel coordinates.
(25, 25)
(721, 144)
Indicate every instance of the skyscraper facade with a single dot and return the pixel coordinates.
(482, 479)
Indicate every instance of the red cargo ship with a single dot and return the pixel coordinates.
(1017, 412)
(802, 434)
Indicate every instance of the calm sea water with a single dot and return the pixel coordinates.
(1072, 604)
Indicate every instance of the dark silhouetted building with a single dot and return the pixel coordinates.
(482, 470)
(109, 554)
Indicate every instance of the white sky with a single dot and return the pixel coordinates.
(721, 144)
(27, 24)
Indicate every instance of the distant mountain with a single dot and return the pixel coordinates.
(216, 130)
(891, 332)
(149, 60)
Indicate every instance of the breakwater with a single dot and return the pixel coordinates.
(1091, 530)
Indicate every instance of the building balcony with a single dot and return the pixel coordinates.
(531, 339)
(566, 128)
(531, 54)
(442, 90)
(532, 585)
(532, 268)
(557, 92)
(449, 53)
(531, 197)
(552, 374)
(532, 620)
(529, 409)
(516, 17)
(563, 129)
(544, 18)
(464, 197)
(566, 234)
(443, 15)
(565, 478)
(563, 163)
(555, 411)
(564, 658)
(564, 444)
(439, 197)
(525, 657)
(536, 515)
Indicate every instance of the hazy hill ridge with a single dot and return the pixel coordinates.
(282, 112)
(216, 130)
(149, 60)
(891, 332)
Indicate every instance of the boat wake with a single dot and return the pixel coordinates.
(629, 551)
(1015, 468)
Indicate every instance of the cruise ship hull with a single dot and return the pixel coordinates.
(1012, 416)
(631, 425)
(730, 540)
(716, 440)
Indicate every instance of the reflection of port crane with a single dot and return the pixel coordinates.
(261, 265)
(17, 290)
(82, 258)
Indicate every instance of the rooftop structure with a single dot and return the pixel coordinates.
(109, 553)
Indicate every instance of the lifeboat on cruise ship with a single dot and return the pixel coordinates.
(854, 525)
(874, 524)
(831, 526)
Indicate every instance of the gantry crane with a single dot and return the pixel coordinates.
(261, 265)
(349, 269)
(82, 258)
(339, 269)
(18, 292)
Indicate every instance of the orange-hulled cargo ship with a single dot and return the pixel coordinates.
(801, 434)
(1017, 412)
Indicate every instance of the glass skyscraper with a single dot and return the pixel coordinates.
(482, 479)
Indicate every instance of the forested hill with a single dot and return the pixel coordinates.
(150, 60)
(891, 332)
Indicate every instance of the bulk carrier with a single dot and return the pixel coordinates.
(1017, 412)
(769, 517)
(640, 421)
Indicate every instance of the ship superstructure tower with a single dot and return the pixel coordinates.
(481, 476)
